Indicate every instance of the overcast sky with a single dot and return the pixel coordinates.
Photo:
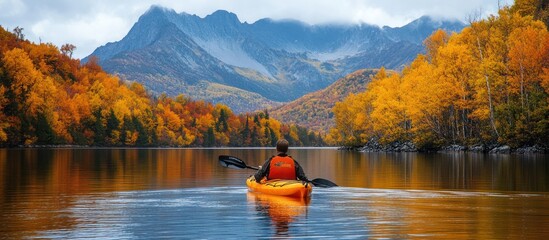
(88, 24)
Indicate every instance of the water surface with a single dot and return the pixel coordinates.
(185, 193)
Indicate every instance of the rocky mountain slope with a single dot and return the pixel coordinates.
(254, 66)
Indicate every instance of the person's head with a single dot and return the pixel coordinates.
(282, 146)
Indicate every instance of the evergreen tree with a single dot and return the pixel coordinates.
(255, 137)
(209, 139)
(221, 125)
(44, 131)
(113, 126)
(127, 130)
(256, 120)
(142, 139)
(246, 133)
(267, 135)
(98, 129)
(77, 135)
(273, 138)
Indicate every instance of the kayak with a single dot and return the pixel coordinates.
(281, 187)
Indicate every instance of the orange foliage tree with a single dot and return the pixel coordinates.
(487, 84)
(46, 97)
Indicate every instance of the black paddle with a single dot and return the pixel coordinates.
(236, 163)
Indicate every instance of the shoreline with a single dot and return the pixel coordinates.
(36, 146)
(476, 148)
(396, 147)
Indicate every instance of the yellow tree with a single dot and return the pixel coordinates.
(388, 114)
(344, 131)
(3, 119)
(457, 66)
(354, 124)
(33, 92)
(23, 76)
(525, 57)
(427, 98)
(361, 109)
(479, 36)
(433, 43)
(535, 8)
(545, 67)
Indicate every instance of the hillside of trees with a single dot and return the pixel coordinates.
(488, 84)
(48, 98)
(314, 110)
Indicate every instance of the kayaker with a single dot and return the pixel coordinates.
(281, 166)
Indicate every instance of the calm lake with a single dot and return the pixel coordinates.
(186, 194)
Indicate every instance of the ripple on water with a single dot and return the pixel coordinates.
(343, 213)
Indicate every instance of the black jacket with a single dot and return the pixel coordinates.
(261, 173)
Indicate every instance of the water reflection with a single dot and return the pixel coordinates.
(282, 211)
(63, 192)
(73, 171)
(467, 171)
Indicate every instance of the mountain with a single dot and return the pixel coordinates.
(417, 30)
(254, 66)
(314, 110)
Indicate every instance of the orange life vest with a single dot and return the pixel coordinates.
(282, 168)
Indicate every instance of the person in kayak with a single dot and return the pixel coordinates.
(281, 166)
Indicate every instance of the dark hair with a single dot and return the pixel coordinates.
(282, 145)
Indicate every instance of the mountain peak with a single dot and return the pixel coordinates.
(157, 9)
(223, 16)
(433, 22)
(425, 20)
(281, 60)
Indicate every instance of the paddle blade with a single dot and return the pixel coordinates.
(323, 183)
(231, 162)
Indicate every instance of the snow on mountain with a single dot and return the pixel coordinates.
(233, 54)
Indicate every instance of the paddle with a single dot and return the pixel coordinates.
(233, 162)
(236, 163)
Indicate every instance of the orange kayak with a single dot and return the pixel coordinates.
(279, 187)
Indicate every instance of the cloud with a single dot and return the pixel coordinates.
(388, 12)
(11, 8)
(88, 32)
(89, 24)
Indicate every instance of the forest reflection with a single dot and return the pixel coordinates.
(397, 193)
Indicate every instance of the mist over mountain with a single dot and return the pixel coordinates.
(247, 66)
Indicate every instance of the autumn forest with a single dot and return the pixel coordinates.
(48, 98)
(488, 84)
